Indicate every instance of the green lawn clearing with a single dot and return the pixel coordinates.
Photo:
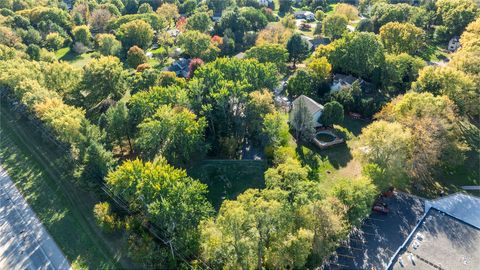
(434, 53)
(44, 177)
(228, 178)
(77, 60)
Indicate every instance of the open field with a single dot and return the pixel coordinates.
(63, 207)
(228, 178)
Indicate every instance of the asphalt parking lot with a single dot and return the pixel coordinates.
(373, 244)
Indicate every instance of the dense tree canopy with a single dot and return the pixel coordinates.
(402, 38)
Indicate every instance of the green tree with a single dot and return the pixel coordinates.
(107, 44)
(332, 114)
(302, 82)
(357, 195)
(456, 14)
(255, 18)
(103, 78)
(432, 121)
(54, 41)
(301, 121)
(297, 49)
(220, 5)
(198, 45)
(62, 78)
(270, 53)
(276, 130)
(118, 126)
(458, 86)
(175, 133)
(136, 32)
(365, 25)
(82, 34)
(334, 26)
(388, 145)
(402, 38)
(136, 56)
(259, 104)
(400, 71)
(199, 21)
(383, 13)
(167, 196)
(144, 8)
(358, 53)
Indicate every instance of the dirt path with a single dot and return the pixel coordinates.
(24, 242)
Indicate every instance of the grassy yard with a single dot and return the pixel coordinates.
(77, 60)
(228, 178)
(434, 53)
(41, 174)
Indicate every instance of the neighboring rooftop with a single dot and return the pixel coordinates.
(312, 106)
(440, 241)
(459, 205)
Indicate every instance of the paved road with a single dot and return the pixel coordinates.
(24, 242)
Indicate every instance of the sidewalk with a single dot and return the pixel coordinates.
(24, 242)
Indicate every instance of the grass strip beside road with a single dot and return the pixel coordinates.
(41, 174)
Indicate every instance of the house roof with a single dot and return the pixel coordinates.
(312, 106)
(459, 205)
(440, 241)
(344, 78)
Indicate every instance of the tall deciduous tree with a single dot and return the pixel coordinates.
(103, 78)
(199, 21)
(175, 133)
(402, 38)
(458, 86)
(136, 32)
(334, 26)
(107, 44)
(332, 114)
(389, 146)
(273, 53)
(297, 49)
(199, 45)
(358, 53)
(456, 14)
(167, 196)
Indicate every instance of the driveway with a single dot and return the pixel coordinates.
(373, 244)
(24, 241)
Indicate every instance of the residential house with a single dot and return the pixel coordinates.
(314, 109)
(180, 67)
(454, 44)
(305, 15)
(341, 81)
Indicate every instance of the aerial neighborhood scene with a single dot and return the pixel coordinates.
(240, 134)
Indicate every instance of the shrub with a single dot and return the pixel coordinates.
(136, 56)
(104, 217)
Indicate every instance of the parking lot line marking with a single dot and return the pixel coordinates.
(347, 256)
(359, 240)
(340, 265)
(375, 219)
(352, 248)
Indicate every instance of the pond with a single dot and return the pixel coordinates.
(325, 137)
